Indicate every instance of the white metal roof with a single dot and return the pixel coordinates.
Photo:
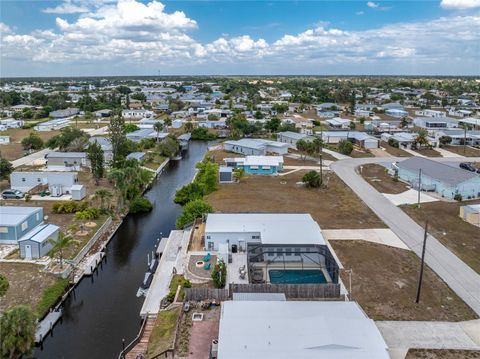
(12, 216)
(257, 160)
(274, 228)
(291, 329)
(259, 296)
(40, 233)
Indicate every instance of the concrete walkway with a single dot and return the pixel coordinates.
(26, 160)
(446, 153)
(409, 197)
(335, 154)
(383, 236)
(413, 153)
(380, 152)
(403, 335)
(462, 279)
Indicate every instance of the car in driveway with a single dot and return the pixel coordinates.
(468, 167)
(12, 194)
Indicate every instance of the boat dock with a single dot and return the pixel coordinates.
(174, 248)
(47, 324)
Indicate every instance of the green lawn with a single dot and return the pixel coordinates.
(163, 332)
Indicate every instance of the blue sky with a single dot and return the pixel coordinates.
(105, 37)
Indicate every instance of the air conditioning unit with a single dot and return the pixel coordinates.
(214, 349)
(56, 191)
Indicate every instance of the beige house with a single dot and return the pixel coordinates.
(471, 214)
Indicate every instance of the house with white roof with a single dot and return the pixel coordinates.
(279, 329)
(52, 125)
(293, 137)
(257, 165)
(39, 241)
(256, 146)
(430, 123)
(430, 113)
(338, 123)
(66, 161)
(361, 139)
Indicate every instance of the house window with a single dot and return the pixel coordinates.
(288, 251)
(39, 180)
(37, 216)
(279, 251)
(3, 229)
(24, 225)
(297, 251)
(23, 179)
(255, 237)
(208, 237)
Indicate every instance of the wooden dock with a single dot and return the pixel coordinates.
(141, 347)
(46, 325)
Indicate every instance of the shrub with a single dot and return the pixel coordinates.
(69, 207)
(193, 210)
(458, 197)
(32, 142)
(51, 295)
(393, 142)
(130, 127)
(202, 134)
(189, 192)
(3, 285)
(140, 205)
(88, 213)
(219, 274)
(345, 147)
(312, 179)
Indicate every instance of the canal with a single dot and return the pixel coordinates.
(106, 309)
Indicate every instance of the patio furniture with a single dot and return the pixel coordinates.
(206, 258)
(207, 266)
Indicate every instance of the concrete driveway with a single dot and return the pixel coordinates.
(463, 280)
(409, 197)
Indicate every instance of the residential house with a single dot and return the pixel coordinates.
(394, 112)
(406, 139)
(338, 123)
(444, 179)
(137, 114)
(67, 161)
(66, 113)
(139, 156)
(257, 165)
(471, 214)
(106, 146)
(360, 139)
(254, 146)
(460, 112)
(15, 222)
(4, 140)
(103, 113)
(430, 123)
(10, 123)
(58, 183)
(291, 138)
(146, 133)
(460, 136)
(52, 125)
(430, 113)
(268, 328)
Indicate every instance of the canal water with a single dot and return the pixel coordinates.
(106, 310)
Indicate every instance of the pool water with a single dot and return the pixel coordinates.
(289, 276)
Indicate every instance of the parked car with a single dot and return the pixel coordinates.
(468, 167)
(12, 193)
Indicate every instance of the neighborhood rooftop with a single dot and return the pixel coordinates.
(10, 216)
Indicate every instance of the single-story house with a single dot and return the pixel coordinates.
(10, 123)
(103, 113)
(394, 112)
(58, 183)
(106, 146)
(139, 135)
(148, 122)
(212, 124)
(37, 243)
(68, 112)
(446, 180)
(392, 106)
(293, 137)
(430, 113)
(430, 123)
(273, 329)
(471, 214)
(257, 165)
(363, 113)
(338, 123)
(361, 139)
(52, 124)
(67, 161)
(15, 222)
(4, 140)
(406, 139)
(137, 114)
(459, 136)
(254, 146)
(460, 113)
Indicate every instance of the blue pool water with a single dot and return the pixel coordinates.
(296, 276)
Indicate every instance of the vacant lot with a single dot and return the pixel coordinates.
(428, 152)
(163, 332)
(356, 153)
(378, 177)
(14, 149)
(464, 151)
(394, 151)
(27, 282)
(444, 224)
(384, 283)
(442, 354)
(219, 155)
(334, 206)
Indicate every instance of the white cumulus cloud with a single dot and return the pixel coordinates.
(460, 4)
(372, 5)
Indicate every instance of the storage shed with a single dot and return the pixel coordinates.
(78, 192)
(225, 174)
(36, 243)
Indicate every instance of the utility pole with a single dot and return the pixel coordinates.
(419, 288)
(419, 185)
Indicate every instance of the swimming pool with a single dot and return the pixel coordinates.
(289, 276)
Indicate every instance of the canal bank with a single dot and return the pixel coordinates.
(101, 313)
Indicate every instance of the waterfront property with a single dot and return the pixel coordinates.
(471, 214)
(257, 165)
(254, 146)
(273, 241)
(58, 183)
(66, 161)
(38, 242)
(15, 222)
(446, 180)
(322, 329)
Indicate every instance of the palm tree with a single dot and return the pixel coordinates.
(422, 138)
(59, 245)
(189, 126)
(157, 126)
(103, 195)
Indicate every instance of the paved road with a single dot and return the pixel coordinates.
(463, 280)
(30, 158)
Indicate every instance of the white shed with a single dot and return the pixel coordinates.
(78, 192)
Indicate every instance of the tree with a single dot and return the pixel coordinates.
(212, 117)
(59, 245)
(219, 274)
(118, 139)
(404, 122)
(422, 138)
(3, 285)
(17, 328)
(69, 137)
(193, 210)
(188, 126)
(445, 140)
(5, 169)
(393, 142)
(238, 173)
(352, 125)
(103, 195)
(189, 192)
(95, 156)
(302, 146)
(273, 124)
(169, 147)
(139, 96)
(312, 179)
(131, 127)
(32, 142)
(202, 134)
(158, 126)
(345, 147)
